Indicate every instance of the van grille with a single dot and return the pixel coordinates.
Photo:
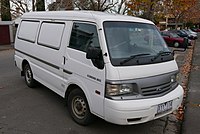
(157, 89)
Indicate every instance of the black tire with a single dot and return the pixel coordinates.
(176, 44)
(28, 75)
(78, 107)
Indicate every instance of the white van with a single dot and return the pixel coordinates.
(115, 67)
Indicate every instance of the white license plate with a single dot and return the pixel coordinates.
(164, 107)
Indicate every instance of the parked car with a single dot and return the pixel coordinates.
(195, 29)
(180, 33)
(183, 35)
(173, 40)
(191, 35)
(192, 31)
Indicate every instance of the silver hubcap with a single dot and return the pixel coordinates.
(79, 107)
(28, 75)
(176, 44)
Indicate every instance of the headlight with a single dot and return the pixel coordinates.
(120, 89)
(174, 78)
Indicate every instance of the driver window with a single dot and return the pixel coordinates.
(83, 35)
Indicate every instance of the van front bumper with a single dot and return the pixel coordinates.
(127, 112)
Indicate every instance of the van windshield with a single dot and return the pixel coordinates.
(132, 43)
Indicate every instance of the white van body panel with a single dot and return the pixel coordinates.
(141, 71)
(82, 71)
(90, 16)
(46, 63)
(57, 66)
(146, 111)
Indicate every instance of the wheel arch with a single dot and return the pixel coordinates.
(88, 116)
(24, 62)
(73, 86)
(70, 88)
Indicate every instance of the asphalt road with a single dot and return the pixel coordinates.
(192, 110)
(40, 111)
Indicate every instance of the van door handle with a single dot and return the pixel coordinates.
(64, 58)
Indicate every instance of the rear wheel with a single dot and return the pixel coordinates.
(176, 44)
(79, 108)
(30, 82)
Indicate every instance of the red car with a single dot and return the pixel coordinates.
(195, 29)
(172, 39)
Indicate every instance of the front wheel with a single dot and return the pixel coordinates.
(30, 82)
(79, 108)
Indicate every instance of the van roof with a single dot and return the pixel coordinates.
(94, 16)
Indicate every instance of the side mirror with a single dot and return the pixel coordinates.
(93, 53)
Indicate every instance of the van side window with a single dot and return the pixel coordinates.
(83, 35)
(28, 30)
(51, 34)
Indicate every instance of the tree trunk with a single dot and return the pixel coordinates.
(176, 23)
(33, 5)
(150, 10)
(5, 10)
(40, 5)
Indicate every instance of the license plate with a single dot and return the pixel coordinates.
(164, 107)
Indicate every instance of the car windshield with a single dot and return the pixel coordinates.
(180, 31)
(187, 32)
(129, 40)
(174, 35)
(190, 31)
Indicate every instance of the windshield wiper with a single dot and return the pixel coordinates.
(161, 53)
(132, 57)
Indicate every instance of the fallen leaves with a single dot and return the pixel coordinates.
(180, 113)
(184, 72)
(194, 105)
(196, 68)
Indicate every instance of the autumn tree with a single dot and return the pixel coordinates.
(143, 8)
(192, 16)
(135, 7)
(5, 10)
(150, 7)
(178, 8)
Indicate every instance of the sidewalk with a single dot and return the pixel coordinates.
(192, 112)
(6, 47)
